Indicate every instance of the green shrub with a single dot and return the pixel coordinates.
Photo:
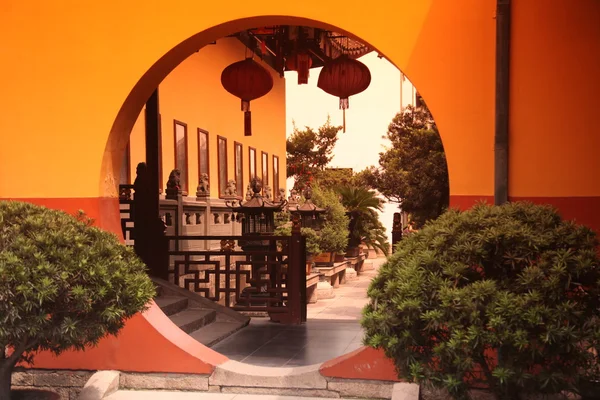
(64, 284)
(506, 296)
(334, 233)
(312, 238)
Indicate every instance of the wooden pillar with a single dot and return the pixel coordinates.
(502, 101)
(153, 146)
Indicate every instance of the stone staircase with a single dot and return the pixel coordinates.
(202, 319)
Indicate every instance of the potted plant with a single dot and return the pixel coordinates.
(333, 236)
(64, 284)
(500, 297)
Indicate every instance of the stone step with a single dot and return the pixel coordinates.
(171, 304)
(192, 319)
(168, 395)
(210, 335)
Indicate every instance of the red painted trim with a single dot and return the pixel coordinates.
(104, 210)
(364, 363)
(583, 210)
(149, 342)
(464, 202)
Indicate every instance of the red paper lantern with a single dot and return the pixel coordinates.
(247, 80)
(344, 77)
(301, 62)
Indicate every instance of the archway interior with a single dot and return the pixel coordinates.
(274, 46)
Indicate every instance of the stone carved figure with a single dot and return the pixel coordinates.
(248, 192)
(203, 189)
(267, 192)
(281, 194)
(173, 185)
(231, 189)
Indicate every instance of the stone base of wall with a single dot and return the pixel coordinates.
(67, 384)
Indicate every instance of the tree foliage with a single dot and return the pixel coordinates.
(309, 151)
(413, 170)
(504, 296)
(334, 233)
(64, 284)
(362, 205)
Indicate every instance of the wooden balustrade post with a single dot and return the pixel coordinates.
(296, 279)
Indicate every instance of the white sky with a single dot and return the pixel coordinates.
(367, 118)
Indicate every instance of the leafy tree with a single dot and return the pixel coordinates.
(334, 233)
(413, 170)
(309, 151)
(362, 206)
(64, 284)
(334, 178)
(506, 297)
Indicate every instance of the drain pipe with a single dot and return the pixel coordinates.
(502, 101)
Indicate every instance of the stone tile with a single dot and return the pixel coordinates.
(358, 388)
(61, 379)
(405, 391)
(304, 393)
(233, 373)
(164, 381)
(22, 379)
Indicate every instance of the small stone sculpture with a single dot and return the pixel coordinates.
(281, 194)
(203, 189)
(173, 185)
(231, 189)
(267, 192)
(249, 192)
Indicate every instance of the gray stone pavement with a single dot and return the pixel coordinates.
(333, 329)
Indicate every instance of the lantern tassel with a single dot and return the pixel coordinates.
(344, 104)
(247, 123)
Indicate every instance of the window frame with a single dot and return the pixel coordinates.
(184, 182)
(221, 189)
(250, 150)
(275, 176)
(200, 132)
(239, 180)
(264, 157)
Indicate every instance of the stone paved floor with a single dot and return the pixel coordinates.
(333, 329)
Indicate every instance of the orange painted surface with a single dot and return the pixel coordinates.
(192, 93)
(554, 139)
(149, 342)
(96, 78)
(68, 118)
(364, 363)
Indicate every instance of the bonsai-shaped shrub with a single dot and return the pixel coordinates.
(504, 297)
(334, 233)
(64, 284)
(283, 227)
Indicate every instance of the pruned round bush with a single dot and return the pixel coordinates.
(64, 284)
(504, 297)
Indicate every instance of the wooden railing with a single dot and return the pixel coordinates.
(256, 274)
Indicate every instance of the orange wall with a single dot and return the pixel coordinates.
(192, 93)
(73, 79)
(555, 84)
